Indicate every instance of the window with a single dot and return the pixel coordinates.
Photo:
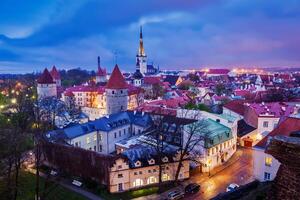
(165, 177)
(154, 170)
(100, 148)
(149, 171)
(76, 144)
(113, 92)
(151, 180)
(94, 148)
(119, 166)
(100, 137)
(140, 172)
(124, 131)
(120, 187)
(88, 140)
(115, 134)
(138, 182)
(267, 176)
(121, 91)
(265, 124)
(135, 173)
(120, 133)
(120, 175)
(268, 161)
(95, 137)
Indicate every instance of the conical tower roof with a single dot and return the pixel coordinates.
(116, 80)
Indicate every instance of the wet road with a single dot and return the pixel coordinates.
(239, 170)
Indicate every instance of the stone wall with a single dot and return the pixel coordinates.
(287, 182)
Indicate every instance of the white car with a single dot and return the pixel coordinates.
(175, 195)
(231, 187)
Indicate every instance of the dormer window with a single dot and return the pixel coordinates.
(165, 159)
(137, 163)
(151, 161)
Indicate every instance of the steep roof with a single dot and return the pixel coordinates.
(116, 80)
(54, 73)
(45, 78)
(171, 79)
(101, 72)
(285, 128)
(236, 106)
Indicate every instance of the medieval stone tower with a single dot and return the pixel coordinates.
(116, 93)
(46, 86)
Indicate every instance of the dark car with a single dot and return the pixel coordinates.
(192, 188)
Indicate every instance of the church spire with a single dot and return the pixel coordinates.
(141, 47)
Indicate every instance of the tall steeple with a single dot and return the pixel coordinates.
(141, 58)
(141, 47)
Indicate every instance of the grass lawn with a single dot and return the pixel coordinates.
(130, 194)
(54, 191)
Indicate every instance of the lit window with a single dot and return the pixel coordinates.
(88, 140)
(151, 180)
(265, 124)
(268, 161)
(95, 137)
(138, 182)
(165, 177)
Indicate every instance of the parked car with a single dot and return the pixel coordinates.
(231, 187)
(192, 188)
(175, 195)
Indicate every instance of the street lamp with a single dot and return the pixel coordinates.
(208, 164)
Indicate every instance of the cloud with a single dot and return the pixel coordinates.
(177, 33)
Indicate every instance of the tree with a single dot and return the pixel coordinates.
(15, 140)
(158, 90)
(220, 89)
(194, 136)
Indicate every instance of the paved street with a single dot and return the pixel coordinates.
(237, 170)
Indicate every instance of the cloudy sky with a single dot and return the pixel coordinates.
(178, 34)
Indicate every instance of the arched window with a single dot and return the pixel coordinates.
(151, 180)
(138, 182)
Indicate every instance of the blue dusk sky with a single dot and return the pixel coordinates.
(178, 34)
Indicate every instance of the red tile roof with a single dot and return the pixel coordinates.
(276, 109)
(151, 80)
(285, 128)
(236, 106)
(101, 72)
(116, 80)
(45, 78)
(241, 93)
(54, 73)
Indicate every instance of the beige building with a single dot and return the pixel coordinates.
(130, 173)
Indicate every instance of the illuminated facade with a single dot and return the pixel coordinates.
(98, 101)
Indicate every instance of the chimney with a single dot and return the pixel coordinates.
(99, 62)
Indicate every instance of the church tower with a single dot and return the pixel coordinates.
(116, 92)
(101, 74)
(141, 58)
(46, 86)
